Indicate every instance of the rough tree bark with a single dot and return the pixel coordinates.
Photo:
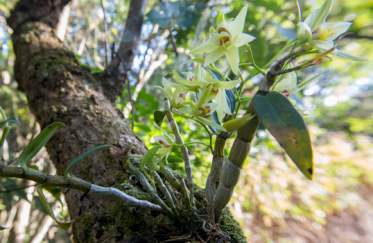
(59, 89)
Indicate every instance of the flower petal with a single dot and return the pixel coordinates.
(242, 39)
(186, 110)
(205, 47)
(321, 14)
(330, 31)
(210, 123)
(163, 141)
(307, 81)
(304, 29)
(232, 57)
(237, 25)
(215, 55)
(227, 85)
(311, 18)
(222, 98)
(322, 45)
(204, 97)
(350, 56)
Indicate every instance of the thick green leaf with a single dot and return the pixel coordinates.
(2, 139)
(172, 159)
(34, 167)
(148, 159)
(11, 119)
(82, 156)
(158, 117)
(284, 122)
(36, 203)
(64, 226)
(35, 145)
(55, 191)
(2, 112)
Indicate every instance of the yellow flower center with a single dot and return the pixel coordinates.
(205, 111)
(222, 29)
(224, 39)
(322, 34)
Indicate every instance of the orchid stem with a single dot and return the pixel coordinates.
(203, 125)
(274, 58)
(149, 178)
(280, 52)
(240, 92)
(253, 62)
(217, 70)
(184, 144)
(184, 149)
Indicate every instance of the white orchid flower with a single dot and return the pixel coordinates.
(225, 41)
(166, 142)
(203, 109)
(287, 84)
(194, 80)
(200, 79)
(175, 93)
(219, 96)
(320, 35)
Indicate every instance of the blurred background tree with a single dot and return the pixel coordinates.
(272, 202)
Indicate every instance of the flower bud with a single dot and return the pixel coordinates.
(235, 124)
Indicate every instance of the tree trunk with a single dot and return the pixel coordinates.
(59, 89)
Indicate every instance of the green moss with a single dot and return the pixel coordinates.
(139, 224)
(83, 228)
(232, 227)
(131, 220)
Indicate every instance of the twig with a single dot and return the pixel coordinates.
(106, 40)
(173, 43)
(131, 35)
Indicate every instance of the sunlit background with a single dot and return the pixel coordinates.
(273, 201)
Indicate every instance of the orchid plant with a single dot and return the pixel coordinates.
(209, 97)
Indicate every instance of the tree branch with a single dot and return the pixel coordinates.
(131, 36)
